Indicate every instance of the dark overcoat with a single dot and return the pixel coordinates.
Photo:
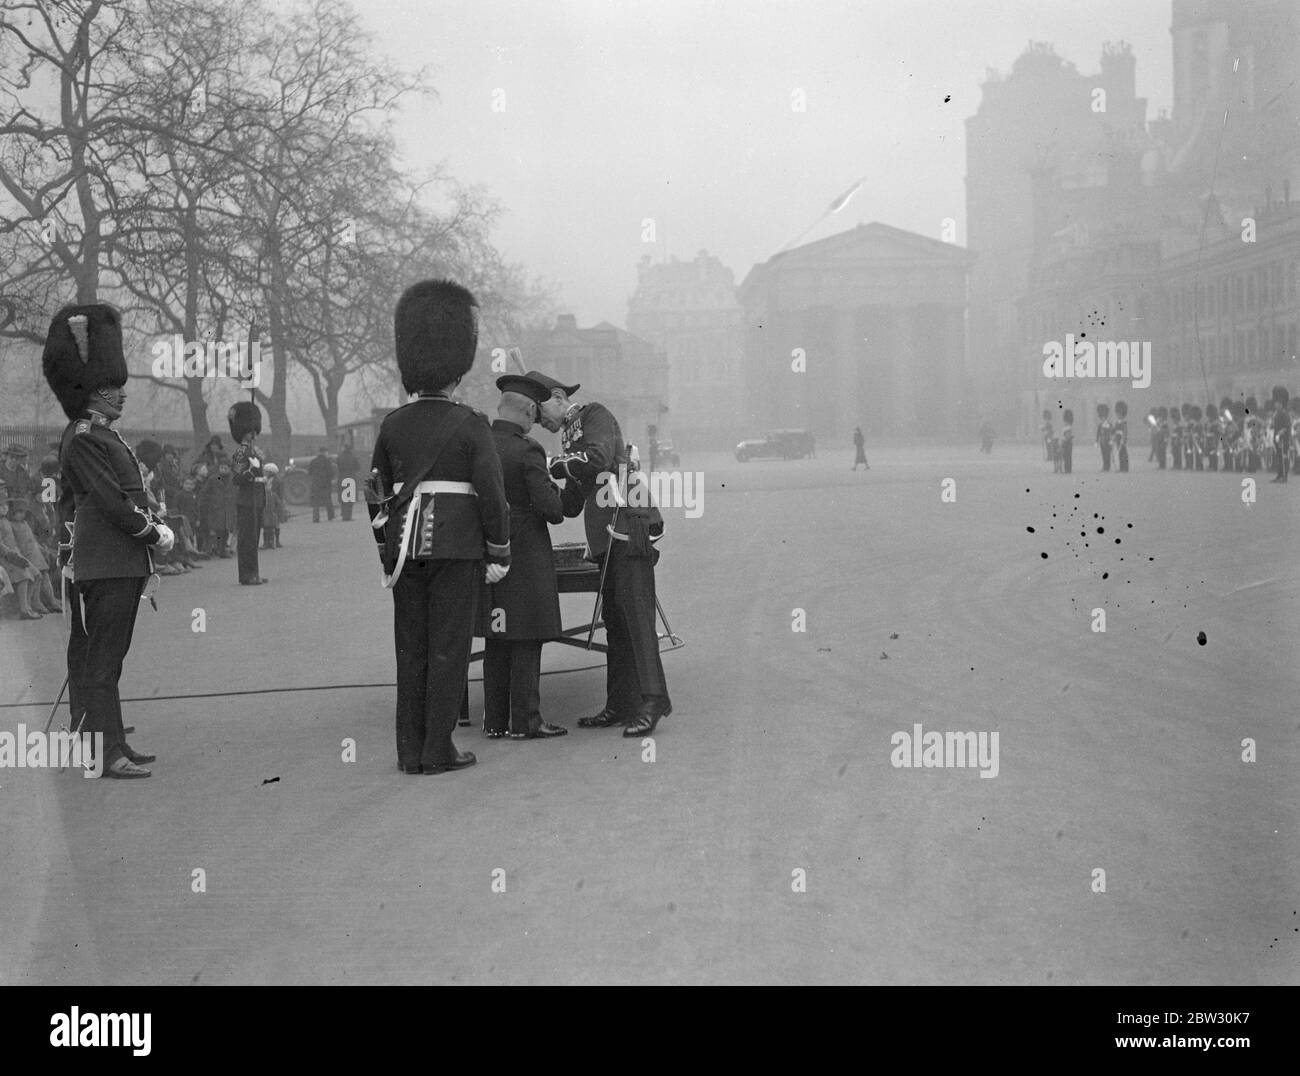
(527, 599)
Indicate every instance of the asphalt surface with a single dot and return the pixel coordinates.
(1119, 751)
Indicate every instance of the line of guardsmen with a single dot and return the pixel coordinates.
(1236, 436)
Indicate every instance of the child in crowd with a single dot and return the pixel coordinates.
(274, 506)
(23, 575)
(214, 508)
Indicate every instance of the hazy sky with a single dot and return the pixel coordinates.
(681, 111)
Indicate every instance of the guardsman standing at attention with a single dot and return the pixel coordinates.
(438, 508)
(1104, 433)
(1176, 437)
(1067, 442)
(245, 420)
(518, 614)
(106, 530)
(1119, 435)
(593, 461)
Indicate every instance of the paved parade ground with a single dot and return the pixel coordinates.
(770, 839)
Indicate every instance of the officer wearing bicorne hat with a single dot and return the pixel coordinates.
(520, 612)
(622, 528)
(106, 529)
(438, 508)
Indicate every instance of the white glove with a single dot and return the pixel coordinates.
(497, 572)
(166, 539)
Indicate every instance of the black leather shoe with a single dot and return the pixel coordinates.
(603, 720)
(544, 731)
(645, 721)
(461, 761)
(138, 758)
(252, 582)
(495, 734)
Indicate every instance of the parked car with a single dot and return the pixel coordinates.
(785, 444)
(297, 481)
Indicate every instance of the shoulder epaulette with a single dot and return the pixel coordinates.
(83, 426)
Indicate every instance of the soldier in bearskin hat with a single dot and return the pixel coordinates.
(1176, 436)
(1067, 442)
(1213, 431)
(1281, 432)
(106, 530)
(1119, 436)
(1252, 428)
(1160, 437)
(245, 419)
(438, 506)
(1196, 428)
(1104, 432)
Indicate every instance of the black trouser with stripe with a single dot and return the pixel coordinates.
(634, 673)
(434, 605)
(248, 527)
(103, 614)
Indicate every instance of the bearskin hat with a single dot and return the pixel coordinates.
(1103, 410)
(244, 417)
(1121, 409)
(50, 466)
(1194, 413)
(1068, 416)
(1281, 397)
(1252, 406)
(149, 453)
(1162, 413)
(1186, 411)
(83, 353)
(435, 328)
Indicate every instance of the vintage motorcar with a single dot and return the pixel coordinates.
(782, 444)
(666, 455)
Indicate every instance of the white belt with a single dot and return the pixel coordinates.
(429, 486)
(412, 509)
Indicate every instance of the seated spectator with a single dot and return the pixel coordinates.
(43, 599)
(22, 573)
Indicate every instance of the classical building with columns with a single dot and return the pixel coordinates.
(877, 318)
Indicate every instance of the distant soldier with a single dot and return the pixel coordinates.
(1213, 433)
(1104, 432)
(245, 420)
(1281, 432)
(1176, 437)
(1067, 442)
(1119, 435)
(106, 531)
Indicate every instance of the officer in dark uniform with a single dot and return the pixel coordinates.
(593, 461)
(438, 506)
(245, 420)
(1067, 441)
(106, 530)
(519, 613)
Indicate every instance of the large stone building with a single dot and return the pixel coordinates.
(1193, 244)
(627, 374)
(689, 310)
(1044, 124)
(877, 318)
